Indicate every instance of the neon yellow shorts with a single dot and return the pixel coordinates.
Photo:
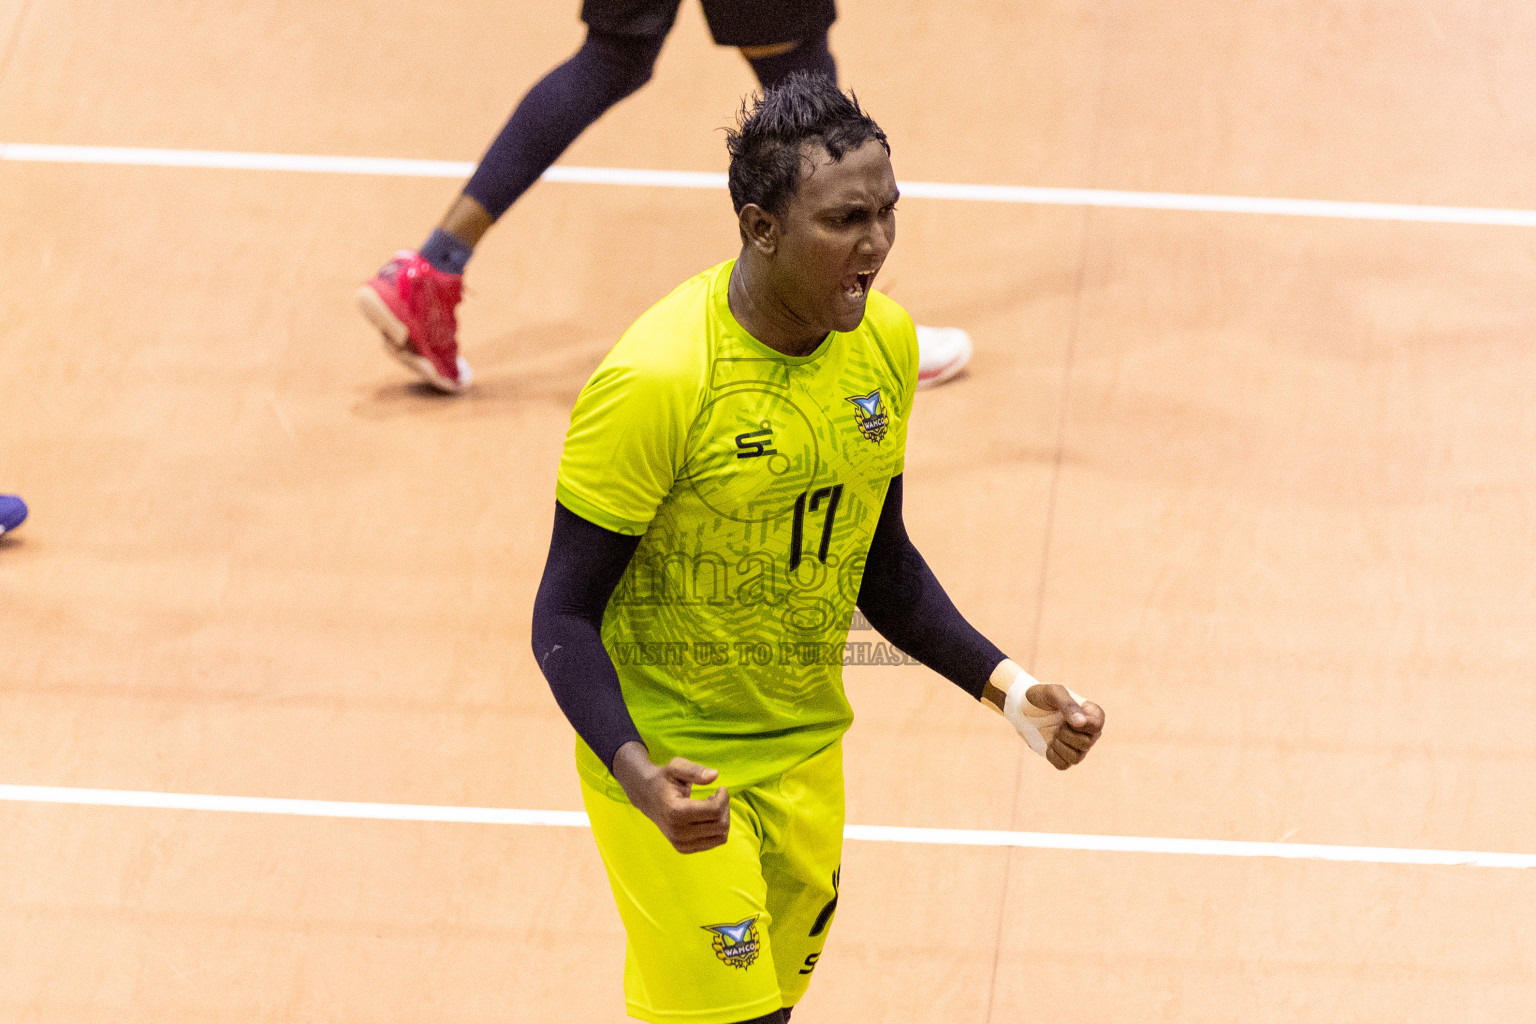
(734, 932)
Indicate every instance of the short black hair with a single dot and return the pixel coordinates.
(766, 146)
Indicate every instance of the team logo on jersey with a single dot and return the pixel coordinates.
(735, 944)
(869, 414)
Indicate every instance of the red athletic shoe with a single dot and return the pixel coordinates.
(412, 304)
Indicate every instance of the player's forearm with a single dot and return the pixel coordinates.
(932, 630)
(901, 597)
(584, 566)
(584, 683)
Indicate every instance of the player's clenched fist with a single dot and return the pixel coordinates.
(1078, 724)
(1058, 724)
(664, 793)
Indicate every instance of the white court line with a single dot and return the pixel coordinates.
(1024, 194)
(864, 833)
(121, 155)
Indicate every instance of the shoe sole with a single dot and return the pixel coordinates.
(933, 378)
(397, 342)
(944, 373)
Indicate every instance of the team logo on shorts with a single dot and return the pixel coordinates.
(735, 944)
(869, 414)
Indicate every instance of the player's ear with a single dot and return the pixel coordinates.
(759, 229)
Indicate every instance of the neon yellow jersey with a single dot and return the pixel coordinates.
(754, 480)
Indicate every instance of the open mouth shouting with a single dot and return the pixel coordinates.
(856, 285)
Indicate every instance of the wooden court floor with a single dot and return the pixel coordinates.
(1263, 486)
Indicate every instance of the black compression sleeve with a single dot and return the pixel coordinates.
(607, 68)
(584, 566)
(903, 600)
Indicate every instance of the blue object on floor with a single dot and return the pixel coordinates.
(13, 512)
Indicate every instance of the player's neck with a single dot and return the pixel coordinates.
(761, 314)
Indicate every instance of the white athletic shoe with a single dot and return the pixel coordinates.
(942, 352)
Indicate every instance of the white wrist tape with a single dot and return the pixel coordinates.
(1037, 725)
